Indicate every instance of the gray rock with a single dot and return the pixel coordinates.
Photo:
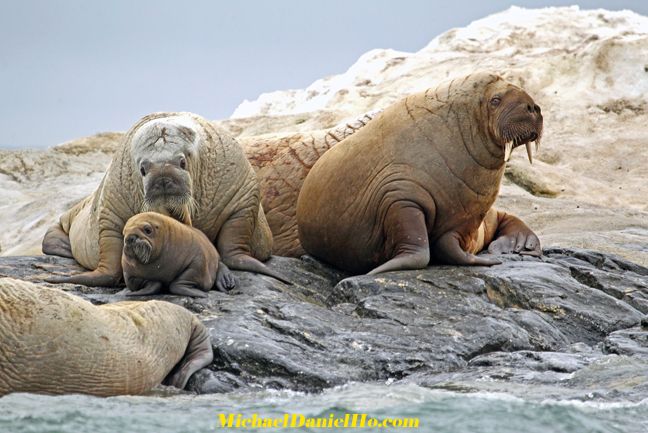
(569, 324)
(631, 342)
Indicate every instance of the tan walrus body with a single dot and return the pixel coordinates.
(282, 163)
(55, 343)
(417, 184)
(176, 164)
(161, 252)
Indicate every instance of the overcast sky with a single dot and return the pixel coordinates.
(71, 68)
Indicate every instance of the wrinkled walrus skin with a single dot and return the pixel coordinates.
(56, 343)
(161, 252)
(176, 164)
(418, 182)
(282, 163)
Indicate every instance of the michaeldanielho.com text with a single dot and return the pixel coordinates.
(295, 420)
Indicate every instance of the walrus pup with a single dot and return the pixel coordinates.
(176, 164)
(417, 184)
(56, 343)
(161, 252)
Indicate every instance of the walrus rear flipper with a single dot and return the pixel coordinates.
(56, 242)
(199, 354)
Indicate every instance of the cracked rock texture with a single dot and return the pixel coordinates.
(572, 324)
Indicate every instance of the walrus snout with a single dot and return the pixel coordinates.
(533, 109)
(138, 248)
(520, 123)
(167, 178)
(167, 185)
(139, 232)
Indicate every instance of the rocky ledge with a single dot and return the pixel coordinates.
(572, 324)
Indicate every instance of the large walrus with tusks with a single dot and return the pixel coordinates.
(418, 182)
(179, 165)
(54, 343)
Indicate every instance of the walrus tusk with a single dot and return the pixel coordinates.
(508, 147)
(529, 152)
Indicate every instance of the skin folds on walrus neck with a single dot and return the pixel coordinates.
(160, 252)
(418, 182)
(179, 165)
(56, 343)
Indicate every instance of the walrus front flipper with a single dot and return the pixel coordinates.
(233, 244)
(448, 250)
(406, 230)
(225, 280)
(186, 289)
(513, 236)
(91, 279)
(56, 242)
(198, 355)
(139, 287)
(109, 270)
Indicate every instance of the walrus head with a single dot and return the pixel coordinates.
(142, 237)
(164, 151)
(514, 118)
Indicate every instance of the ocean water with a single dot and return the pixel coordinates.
(438, 411)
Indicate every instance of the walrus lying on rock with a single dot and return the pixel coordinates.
(177, 164)
(418, 182)
(160, 252)
(55, 343)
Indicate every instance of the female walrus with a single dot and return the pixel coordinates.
(419, 181)
(160, 251)
(54, 343)
(176, 164)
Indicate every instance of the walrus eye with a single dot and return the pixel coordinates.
(142, 170)
(148, 230)
(495, 101)
(183, 163)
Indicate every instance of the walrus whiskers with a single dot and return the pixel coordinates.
(179, 207)
(142, 250)
(516, 134)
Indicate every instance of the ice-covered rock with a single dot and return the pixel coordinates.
(564, 56)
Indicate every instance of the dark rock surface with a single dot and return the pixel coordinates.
(572, 324)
